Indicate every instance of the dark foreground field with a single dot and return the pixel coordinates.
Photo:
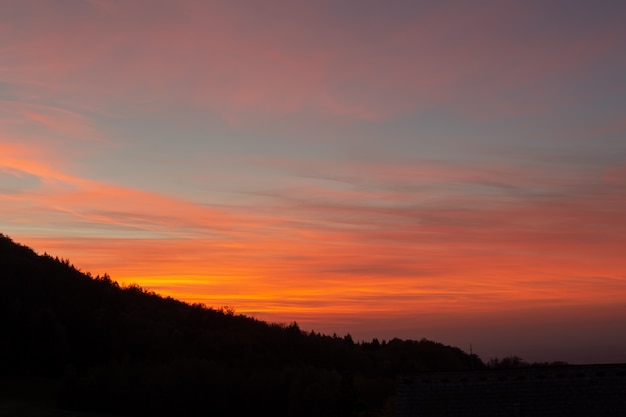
(34, 397)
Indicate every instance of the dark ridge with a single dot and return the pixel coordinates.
(72, 341)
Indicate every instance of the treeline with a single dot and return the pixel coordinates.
(132, 352)
(510, 362)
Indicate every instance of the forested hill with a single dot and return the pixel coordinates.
(128, 351)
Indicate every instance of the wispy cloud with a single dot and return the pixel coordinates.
(355, 244)
(442, 56)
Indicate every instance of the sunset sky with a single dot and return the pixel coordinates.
(452, 170)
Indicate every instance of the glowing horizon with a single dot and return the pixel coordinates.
(429, 169)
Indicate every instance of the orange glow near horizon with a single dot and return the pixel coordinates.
(263, 283)
(260, 264)
(410, 169)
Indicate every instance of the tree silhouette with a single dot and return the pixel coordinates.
(130, 351)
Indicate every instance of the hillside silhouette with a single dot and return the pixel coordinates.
(128, 351)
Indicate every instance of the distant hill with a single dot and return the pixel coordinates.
(128, 351)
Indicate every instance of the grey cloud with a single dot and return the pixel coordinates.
(16, 182)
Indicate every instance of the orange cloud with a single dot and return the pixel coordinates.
(320, 252)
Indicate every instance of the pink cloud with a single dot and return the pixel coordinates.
(163, 55)
(80, 204)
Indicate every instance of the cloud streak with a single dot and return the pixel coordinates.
(352, 246)
(240, 68)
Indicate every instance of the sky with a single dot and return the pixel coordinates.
(447, 170)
